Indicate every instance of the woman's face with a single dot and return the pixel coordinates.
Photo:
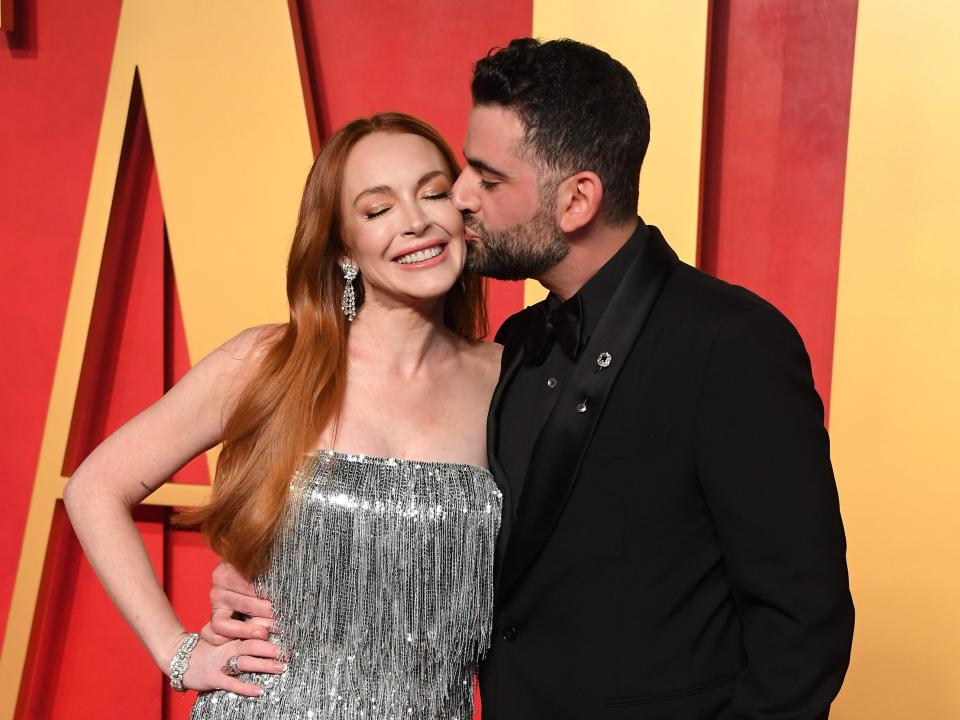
(399, 225)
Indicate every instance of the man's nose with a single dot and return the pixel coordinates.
(464, 195)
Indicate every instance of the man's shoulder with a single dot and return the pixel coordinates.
(712, 299)
(702, 300)
(515, 322)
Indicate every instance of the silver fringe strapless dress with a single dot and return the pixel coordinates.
(382, 584)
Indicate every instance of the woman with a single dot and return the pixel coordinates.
(352, 483)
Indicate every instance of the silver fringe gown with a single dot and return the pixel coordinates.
(382, 584)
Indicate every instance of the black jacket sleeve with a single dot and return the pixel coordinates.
(763, 457)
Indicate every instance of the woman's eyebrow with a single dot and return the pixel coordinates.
(376, 190)
(380, 189)
(429, 176)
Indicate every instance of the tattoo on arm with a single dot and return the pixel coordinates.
(146, 487)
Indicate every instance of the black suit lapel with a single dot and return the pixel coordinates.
(511, 336)
(558, 451)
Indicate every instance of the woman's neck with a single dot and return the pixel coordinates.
(402, 338)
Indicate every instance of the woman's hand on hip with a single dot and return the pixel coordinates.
(231, 594)
(210, 666)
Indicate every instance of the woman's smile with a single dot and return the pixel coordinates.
(423, 255)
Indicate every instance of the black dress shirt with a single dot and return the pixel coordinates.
(532, 393)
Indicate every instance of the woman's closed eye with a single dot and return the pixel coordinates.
(379, 209)
(376, 212)
(437, 195)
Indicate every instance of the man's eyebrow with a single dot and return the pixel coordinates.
(484, 167)
(378, 189)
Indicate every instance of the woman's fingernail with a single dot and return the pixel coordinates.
(281, 667)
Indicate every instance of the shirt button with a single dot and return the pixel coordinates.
(552, 383)
(510, 633)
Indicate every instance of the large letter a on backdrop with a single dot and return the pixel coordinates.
(223, 96)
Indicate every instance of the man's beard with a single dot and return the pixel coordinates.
(523, 251)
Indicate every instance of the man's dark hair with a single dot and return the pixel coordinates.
(580, 108)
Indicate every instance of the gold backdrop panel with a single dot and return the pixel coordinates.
(896, 390)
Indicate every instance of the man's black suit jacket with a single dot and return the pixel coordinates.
(679, 552)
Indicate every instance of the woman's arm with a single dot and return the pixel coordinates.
(132, 463)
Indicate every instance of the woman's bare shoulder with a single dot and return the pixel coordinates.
(486, 355)
(490, 351)
(227, 370)
(237, 360)
(251, 344)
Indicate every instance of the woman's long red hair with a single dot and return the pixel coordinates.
(299, 385)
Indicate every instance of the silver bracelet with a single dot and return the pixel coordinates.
(181, 661)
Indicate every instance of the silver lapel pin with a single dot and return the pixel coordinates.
(604, 359)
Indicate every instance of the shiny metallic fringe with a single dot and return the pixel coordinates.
(382, 582)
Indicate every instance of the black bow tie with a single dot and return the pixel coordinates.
(561, 325)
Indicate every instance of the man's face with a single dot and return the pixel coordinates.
(508, 203)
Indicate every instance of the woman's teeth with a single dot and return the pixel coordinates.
(420, 255)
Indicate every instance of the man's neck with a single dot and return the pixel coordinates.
(590, 249)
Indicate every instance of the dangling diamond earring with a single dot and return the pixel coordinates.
(349, 303)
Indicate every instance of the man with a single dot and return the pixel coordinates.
(672, 544)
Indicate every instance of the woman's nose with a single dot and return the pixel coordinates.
(416, 219)
(417, 226)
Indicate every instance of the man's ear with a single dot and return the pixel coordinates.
(578, 200)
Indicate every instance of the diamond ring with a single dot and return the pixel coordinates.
(231, 667)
